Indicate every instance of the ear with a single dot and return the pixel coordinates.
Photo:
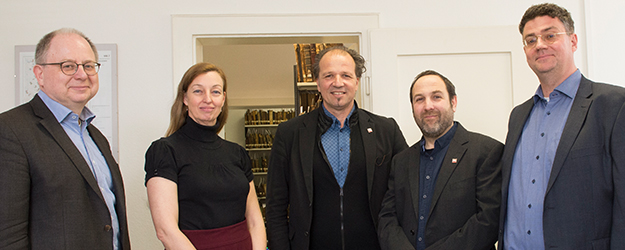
(574, 42)
(38, 71)
(184, 99)
(454, 102)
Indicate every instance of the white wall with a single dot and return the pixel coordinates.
(142, 31)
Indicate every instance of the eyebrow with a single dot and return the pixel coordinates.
(543, 30)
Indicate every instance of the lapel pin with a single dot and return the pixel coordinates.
(369, 130)
(454, 160)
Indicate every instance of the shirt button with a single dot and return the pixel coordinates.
(542, 134)
(424, 196)
(537, 157)
(533, 181)
(420, 239)
(421, 217)
(548, 113)
(341, 149)
(529, 205)
(427, 177)
(431, 158)
(529, 232)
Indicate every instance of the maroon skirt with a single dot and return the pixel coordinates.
(234, 237)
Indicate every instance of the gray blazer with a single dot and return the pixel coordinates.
(49, 196)
(464, 213)
(290, 190)
(584, 206)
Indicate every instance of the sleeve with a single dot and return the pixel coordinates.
(390, 233)
(246, 163)
(15, 191)
(278, 194)
(481, 230)
(618, 176)
(160, 161)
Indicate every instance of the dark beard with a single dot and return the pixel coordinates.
(437, 129)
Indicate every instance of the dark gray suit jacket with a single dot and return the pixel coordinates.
(49, 196)
(290, 190)
(584, 206)
(464, 213)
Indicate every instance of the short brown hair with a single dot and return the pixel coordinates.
(358, 60)
(548, 9)
(451, 89)
(41, 52)
(180, 111)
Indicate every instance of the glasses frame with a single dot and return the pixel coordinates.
(541, 37)
(76, 69)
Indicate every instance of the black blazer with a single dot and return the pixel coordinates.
(584, 206)
(49, 196)
(465, 207)
(290, 190)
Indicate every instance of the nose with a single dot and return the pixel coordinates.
(80, 72)
(207, 97)
(338, 81)
(429, 104)
(540, 42)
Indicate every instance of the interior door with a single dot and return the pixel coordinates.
(487, 65)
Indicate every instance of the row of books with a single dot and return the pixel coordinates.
(259, 162)
(258, 138)
(306, 54)
(262, 117)
(309, 101)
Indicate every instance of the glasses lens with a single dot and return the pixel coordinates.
(69, 68)
(550, 37)
(530, 41)
(91, 68)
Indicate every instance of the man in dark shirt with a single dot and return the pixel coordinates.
(444, 191)
(329, 168)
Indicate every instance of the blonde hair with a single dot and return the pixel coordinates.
(180, 111)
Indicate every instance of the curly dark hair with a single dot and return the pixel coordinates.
(548, 9)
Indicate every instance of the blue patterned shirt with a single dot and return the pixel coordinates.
(336, 144)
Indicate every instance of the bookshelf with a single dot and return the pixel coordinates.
(260, 129)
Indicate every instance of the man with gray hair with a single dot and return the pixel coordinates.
(61, 187)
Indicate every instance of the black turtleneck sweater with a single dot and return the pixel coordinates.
(212, 175)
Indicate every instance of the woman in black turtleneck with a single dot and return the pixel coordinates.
(200, 187)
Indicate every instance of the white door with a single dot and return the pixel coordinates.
(487, 65)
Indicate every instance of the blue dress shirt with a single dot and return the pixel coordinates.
(336, 144)
(532, 162)
(76, 128)
(429, 165)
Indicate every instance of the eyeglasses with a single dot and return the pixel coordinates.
(550, 38)
(70, 68)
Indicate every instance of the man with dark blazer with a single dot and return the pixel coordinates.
(563, 167)
(329, 168)
(443, 192)
(61, 187)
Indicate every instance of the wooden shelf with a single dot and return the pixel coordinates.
(262, 125)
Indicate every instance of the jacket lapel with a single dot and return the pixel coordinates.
(515, 128)
(49, 122)
(413, 175)
(577, 117)
(453, 158)
(307, 142)
(367, 131)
